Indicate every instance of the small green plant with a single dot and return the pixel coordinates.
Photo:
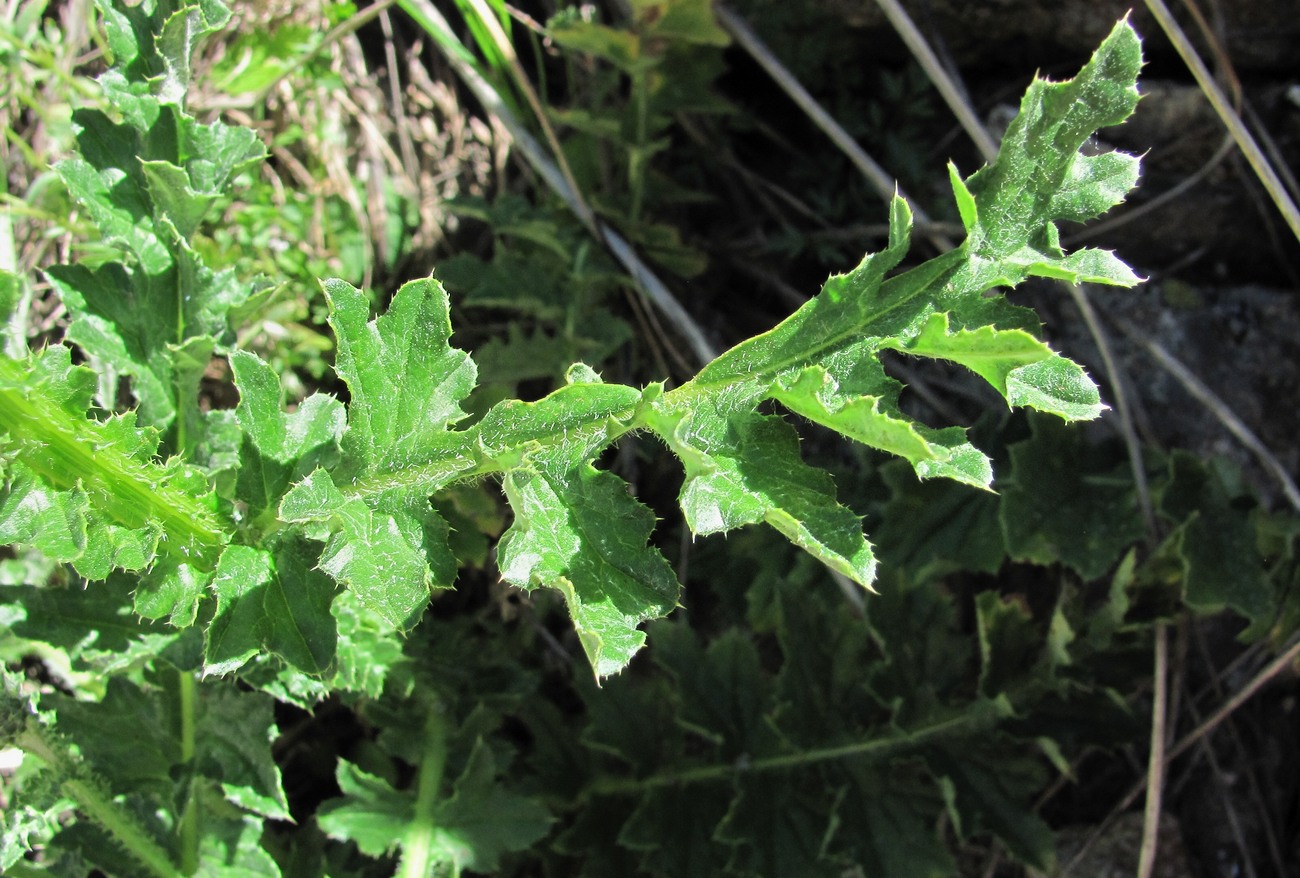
(233, 559)
(665, 60)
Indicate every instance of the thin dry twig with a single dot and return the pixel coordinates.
(949, 89)
(876, 175)
(1245, 141)
(1274, 668)
(1155, 781)
(650, 285)
(507, 49)
(1218, 408)
(409, 159)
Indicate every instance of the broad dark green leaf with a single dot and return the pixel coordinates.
(724, 692)
(891, 836)
(1215, 544)
(233, 735)
(937, 525)
(480, 821)
(779, 827)
(989, 791)
(673, 829)
(1068, 501)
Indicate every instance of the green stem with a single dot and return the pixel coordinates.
(417, 843)
(979, 717)
(68, 452)
(458, 454)
(636, 157)
(103, 811)
(98, 807)
(188, 831)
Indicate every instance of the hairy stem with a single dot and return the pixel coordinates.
(97, 805)
(187, 705)
(68, 453)
(417, 843)
(981, 716)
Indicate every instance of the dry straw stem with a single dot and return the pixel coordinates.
(1275, 668)
(1230, 118)
(1155, 781)
(1220, 409)
(880, 179)
(458, 57)
(953, 95)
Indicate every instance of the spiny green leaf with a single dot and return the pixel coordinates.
(381, 550)
(577, 530)
(233, 636)
(174, 42)
(271, 600)
(364, 494)
(118, 208)
(406, 383)
(871, 416)
(282, 437)
(59, 455)
(823, 361)
(1039, 176)
(749, 471)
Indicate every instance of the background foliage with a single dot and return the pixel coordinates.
(777, 724)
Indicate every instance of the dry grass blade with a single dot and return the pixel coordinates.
(503, 45)
(1155, 781)
(1273, 670)
(1218, 408)
(953, 95)
(429, 18)
(1245, 141)
(876, 175)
